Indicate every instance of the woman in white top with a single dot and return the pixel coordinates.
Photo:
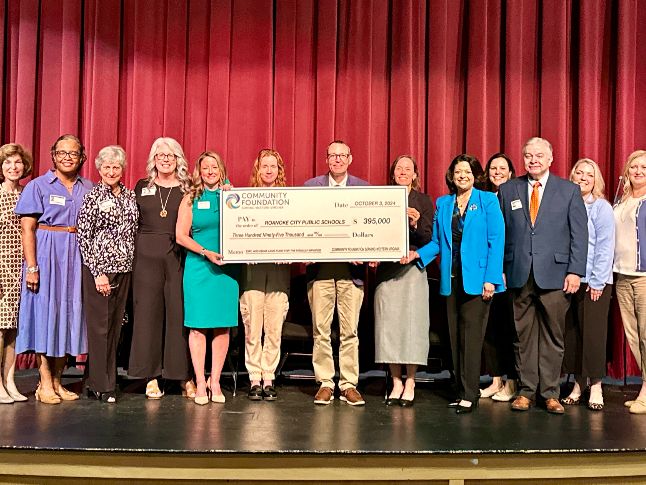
(630, 265)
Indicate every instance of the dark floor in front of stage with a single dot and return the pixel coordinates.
(295, 424)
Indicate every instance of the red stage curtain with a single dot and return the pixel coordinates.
(431, 78)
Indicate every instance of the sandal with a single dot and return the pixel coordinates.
(595, 406)
(569, 401)
(153, 391)
(189, 390)
(66, 395)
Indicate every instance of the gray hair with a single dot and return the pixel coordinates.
(181, 169)
(110, 153)
(537, 139)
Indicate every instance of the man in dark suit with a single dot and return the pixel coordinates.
(340, 284)
(546, 247)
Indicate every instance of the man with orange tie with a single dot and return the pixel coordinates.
(546, 246)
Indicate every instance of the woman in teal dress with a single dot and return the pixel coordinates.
(198, 230)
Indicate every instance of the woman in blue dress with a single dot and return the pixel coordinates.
(51, 320)
(198, 230)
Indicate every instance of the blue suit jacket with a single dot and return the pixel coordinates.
(483, 242)
(556, 245)
(357, 271)
(323, 181)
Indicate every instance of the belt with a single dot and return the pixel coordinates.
(57, 228)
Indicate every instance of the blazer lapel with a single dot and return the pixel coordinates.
(548, 195)
(521, 189)
(448, 218)
(474, 201)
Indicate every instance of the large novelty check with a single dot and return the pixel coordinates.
(314, 224)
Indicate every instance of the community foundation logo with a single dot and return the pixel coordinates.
(233, 201)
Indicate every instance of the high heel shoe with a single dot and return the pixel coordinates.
(394, 401)
(51, 398)
(6, 399)
(189, 390)
(16, 396)
(202, 400)
(66, 395)
(461, 409)
(153, 391)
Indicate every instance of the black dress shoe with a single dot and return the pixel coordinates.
(255, 393)
(406, 403)
(269, 393)
(93, 394)
(109, 397)
(392, 401)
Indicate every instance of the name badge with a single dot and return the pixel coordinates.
(106, 206)
(57, 199)
(516, 204)
(148, 191)
(203, 204)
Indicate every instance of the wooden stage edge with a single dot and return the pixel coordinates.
(37, 466)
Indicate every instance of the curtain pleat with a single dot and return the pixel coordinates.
(431, 78)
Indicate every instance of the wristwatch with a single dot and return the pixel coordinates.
(33, 269)
(203, 252)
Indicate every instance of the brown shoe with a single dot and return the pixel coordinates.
(521, 403)
(554, 406)
(352, 397)
(324, 396)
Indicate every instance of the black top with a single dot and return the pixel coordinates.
(457, 225)
(150, 202)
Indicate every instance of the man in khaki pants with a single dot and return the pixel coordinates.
(340, 284)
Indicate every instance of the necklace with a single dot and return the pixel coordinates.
(462, 201)
(163, 212)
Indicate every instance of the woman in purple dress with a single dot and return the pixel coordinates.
(51, 320)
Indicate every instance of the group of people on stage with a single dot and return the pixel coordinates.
(526, 266)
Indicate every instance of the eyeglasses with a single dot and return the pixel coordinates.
(165, 156)
(62, 154)
(341, 156)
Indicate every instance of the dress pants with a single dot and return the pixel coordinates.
(104, 316)
(499, 340)
(539, 316)
(263, 307)
(323, 294)
(631, 296)
(159, 339)
(586, 332)
(467, 316)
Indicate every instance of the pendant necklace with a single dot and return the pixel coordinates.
(163, 212)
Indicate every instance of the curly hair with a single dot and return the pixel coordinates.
(11, 149)
(476, 169)
(74, 138)
(255, 180)
(197, 184)
(181, 167)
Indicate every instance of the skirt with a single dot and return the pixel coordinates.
(402, 318)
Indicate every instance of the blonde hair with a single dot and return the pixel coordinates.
(628, 189)
(181, 167)
(598, 190)
(255, 180)
(197, 186)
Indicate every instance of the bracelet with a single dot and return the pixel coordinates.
(33, 269)
(203, 252)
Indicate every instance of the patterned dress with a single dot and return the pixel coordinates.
(10, 260)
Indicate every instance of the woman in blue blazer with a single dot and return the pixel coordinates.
(469, 237)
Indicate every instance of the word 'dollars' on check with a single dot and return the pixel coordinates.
(314, 224)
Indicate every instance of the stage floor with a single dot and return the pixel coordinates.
(378, 442)
(293, 424)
